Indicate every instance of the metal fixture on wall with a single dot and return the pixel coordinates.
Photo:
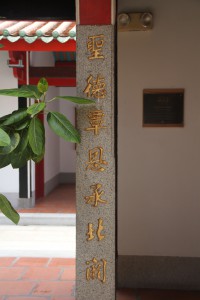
(19, 65)
(142, 21)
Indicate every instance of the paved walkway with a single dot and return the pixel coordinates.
(37, 262)
(42, 278)
(34, 278)
(29, 276)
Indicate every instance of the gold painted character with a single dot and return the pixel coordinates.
(95, 198)
(96, 119)
(96, 270)
(90, 232)
(99, 230)
(95, 44)
(95, 87)
(96, 160)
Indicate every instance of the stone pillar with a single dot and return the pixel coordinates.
(95, 173)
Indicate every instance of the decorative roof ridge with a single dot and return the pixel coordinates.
(30, 31)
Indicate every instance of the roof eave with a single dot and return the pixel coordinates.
(38, 45)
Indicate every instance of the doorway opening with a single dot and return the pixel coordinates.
(53, 56)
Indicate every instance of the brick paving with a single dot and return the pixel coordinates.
(31, 278)
(41, 278)
(61, 200)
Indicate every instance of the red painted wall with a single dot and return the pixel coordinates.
(95, 12)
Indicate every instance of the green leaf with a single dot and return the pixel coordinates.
(37, 158)
(42, 85)
(14, 138)
(3, 118)
(22, 125)
(21, 154)
(23, 141)
(36, 136)
(77, 100)
(36, 108)
(26, 91)
(4, 160)
(4, 138)
(16, 116)
(20, 158)
(8, 210)
(62, 127)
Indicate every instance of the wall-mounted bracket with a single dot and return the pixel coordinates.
(18, 65)
(17, 61)
(142, 21)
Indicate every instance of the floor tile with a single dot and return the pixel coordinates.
(26, 298)
(64, 288)
(68, 274)
(38, 273)
(61, 262)
(125, 294)
(6, 261)
(167, 295)
(17, 288)
(11, 273)
(32, 261)
(64, 194)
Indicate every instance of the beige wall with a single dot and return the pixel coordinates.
(159, 168)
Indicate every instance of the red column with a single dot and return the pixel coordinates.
(95, 12)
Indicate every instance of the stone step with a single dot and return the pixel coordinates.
(54, 219)
(37, 241)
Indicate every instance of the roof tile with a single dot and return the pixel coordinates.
(32, 30)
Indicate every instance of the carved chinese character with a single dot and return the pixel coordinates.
(95, 198)
(95, 45)
(96, 160)
(96, 270)
(96, 119)
(100, 228)
(90, 232)
(95, 87)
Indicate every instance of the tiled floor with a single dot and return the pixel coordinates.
(44, 278)
(53, 278)
(37, 278)
(61, 200)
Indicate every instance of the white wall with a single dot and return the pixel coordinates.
(41, 59)
(52, 142)
(159, 168)
(59, 155)
(67, 149)
(9, 177)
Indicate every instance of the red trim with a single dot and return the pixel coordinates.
(95, 12)
(38, 45)
(62, 82)
(39, 180)
(19, 73)
(65, 64)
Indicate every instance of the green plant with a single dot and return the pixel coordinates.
(22, 133)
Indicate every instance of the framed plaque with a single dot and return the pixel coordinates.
(163, 107)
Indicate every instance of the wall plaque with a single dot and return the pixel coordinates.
(163, 107)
